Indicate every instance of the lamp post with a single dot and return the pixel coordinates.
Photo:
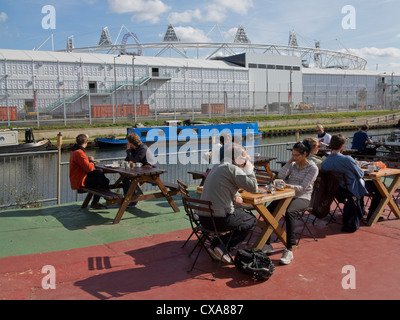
(133, 86)
(392, 91)
(115, 89)
(8, 107)
(155, 102)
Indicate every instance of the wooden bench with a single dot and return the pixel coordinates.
(173, 187)
(108, 195)
(197, 175)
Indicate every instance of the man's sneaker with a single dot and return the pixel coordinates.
(268, 249)
(220, 252)
(98, 206)
(287, 257)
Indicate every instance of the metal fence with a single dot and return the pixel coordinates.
(61, 106)
(31, 179)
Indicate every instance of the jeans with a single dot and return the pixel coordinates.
(96, 179)
(295, 206)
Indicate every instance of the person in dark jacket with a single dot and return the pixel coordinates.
(137, 152)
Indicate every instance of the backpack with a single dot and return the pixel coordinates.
(255, 263)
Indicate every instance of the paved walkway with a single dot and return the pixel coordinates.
(142, 258)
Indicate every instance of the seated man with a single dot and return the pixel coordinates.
(360, 139)
(221, 188)
(82, 173)
(354, 177)
(137, 152)
(323, 138)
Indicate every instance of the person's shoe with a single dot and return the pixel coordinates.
(220, 252)
(212, 253)
(268, 249)
(98, 206)
(287, 257)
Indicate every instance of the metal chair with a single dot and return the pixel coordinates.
(194, 220)
(308, 211)
(204, 208)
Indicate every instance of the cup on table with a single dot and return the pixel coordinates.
(131, 164)
(257, 154)
(115, 164)
(138, 164)
(279, 184)
(371, 168)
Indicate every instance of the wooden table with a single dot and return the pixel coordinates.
(386, 192)
(390, 146)
(261, 161)
(270, 222)
(139, 176)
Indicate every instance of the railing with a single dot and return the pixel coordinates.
(28, 179)
(31, 179)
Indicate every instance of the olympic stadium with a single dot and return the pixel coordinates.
(171, 79)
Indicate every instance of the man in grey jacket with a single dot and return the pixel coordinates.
(221, 188)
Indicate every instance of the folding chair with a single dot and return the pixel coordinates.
(204, 208)
(308, 210)
(194, 220)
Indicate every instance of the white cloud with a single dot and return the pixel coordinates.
(3, 17)
(184, 17)
(377, 52)
(217, 11)
(143, 10)
(238, 6)
(190, 34)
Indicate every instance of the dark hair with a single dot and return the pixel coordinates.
(81, 139)
(302, 148)
(337, 141)
(364, 127)
(134, 139)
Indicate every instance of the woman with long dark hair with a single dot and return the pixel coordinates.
(300, 175)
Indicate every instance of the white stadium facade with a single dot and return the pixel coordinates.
(135, 81)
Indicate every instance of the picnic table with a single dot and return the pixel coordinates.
(139, 176)
(270, 220)
(386, 192)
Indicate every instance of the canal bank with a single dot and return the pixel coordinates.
(271, 128)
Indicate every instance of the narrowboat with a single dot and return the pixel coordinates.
(197, 132)
(9, 143)
(110, 142)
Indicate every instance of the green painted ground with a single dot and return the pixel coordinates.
(29, 231)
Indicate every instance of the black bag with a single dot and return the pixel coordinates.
(255, 263)
(352, 215)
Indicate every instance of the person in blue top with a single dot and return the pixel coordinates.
(360, 139)
(356, 185)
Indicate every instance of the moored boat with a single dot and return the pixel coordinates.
(111, 142)
(9, 143)
(196, 131)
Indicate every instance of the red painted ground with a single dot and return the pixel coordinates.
(155, 267)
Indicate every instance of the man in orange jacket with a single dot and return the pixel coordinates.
(82, 172)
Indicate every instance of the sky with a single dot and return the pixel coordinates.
(369, 28)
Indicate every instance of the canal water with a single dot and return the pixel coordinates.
(30, 178)
(117, 153)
